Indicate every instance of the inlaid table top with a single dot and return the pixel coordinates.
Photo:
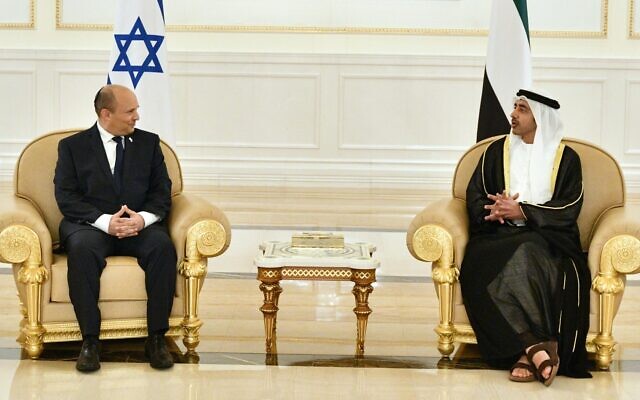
(283, 254)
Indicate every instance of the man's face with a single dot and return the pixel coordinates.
(523, 122)
(122, 120)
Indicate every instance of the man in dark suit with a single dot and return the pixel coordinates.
(112, 187)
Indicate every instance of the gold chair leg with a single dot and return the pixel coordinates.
(445, 330)
(204, 239)
(608, 285)
(620, 255)
(433, 243)
(604, 342)
(445, 276)
(191, 323)
(20, 245)
(33, 331)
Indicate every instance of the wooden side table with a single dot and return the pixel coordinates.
(281, 261)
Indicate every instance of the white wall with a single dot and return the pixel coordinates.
(323, 109)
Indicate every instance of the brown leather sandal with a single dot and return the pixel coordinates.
(551, 348)
(528, 367)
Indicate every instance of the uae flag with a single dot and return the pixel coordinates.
(508, 66)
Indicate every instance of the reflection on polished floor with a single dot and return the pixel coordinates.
(316, 344)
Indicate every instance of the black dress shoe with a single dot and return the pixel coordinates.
(157, 352)
(89, 358)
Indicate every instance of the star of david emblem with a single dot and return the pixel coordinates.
(150, 63)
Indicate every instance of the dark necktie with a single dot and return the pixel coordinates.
(117, 169)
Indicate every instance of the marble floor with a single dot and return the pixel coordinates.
(316, 343)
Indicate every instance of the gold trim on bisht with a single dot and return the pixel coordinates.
(506, 164)
(556, 166)
(558, 208)
(484, 185)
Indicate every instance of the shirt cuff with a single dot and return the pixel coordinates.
(148, 218)
(102, 222)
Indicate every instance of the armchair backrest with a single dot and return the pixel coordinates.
(601, 175)
(33, 178)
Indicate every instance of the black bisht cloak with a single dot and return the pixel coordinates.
(489, 250)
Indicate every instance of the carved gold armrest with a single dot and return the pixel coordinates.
(440, 230)
(614, 245)
(198, 230)
(23, 235)
(437, 234)
(613, 252)
(15, 211)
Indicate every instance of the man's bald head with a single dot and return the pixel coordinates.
(107, 97)
(117, 109)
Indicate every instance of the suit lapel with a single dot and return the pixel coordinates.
(101, 157)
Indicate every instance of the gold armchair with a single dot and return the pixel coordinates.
(29, 220)
(609, 232)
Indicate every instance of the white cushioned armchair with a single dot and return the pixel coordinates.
(29, 220)
(609, 233)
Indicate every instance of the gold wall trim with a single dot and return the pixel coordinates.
(326, 29)
(23, 25)
(632, 33)
(82, 27)
(602, 33)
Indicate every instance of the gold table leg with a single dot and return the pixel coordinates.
(361, 291)
(270, 287)
(269, 310)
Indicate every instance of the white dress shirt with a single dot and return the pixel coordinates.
(109, 144)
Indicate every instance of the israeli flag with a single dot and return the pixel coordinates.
(139, 61)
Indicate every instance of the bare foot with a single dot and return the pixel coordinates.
(538, 358)
(522, 372)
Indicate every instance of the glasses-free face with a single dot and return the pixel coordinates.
(122, 119)
(523, 123)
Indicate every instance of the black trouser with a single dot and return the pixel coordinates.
(87, 250)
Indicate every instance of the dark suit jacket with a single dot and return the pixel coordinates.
(84, 186)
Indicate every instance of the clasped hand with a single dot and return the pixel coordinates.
(504, 207)
(122, 227)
